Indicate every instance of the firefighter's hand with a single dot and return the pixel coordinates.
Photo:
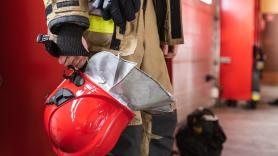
(169, 51)
(69, 41)
(76, 61)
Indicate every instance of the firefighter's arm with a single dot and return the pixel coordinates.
(169, 21)
(60, 12)
(67, 20)
(174, 31)
(169, 24)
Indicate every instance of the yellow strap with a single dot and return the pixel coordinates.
(98, 24)
(256, 96)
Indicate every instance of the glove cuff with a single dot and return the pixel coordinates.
(69, 41)
(56, 24)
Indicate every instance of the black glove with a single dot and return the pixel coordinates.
(69, 41)
(50, 46)
(119, 10)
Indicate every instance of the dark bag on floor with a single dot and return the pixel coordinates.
(202, 135)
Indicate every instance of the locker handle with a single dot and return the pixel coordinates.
(225, 60)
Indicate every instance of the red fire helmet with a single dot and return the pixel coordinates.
(81, 119)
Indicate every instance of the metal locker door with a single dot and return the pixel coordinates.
(237, 38)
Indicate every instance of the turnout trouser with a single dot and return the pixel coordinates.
(148, 135)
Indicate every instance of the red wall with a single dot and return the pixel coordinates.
(28, 73)
(237, 39)
(194, 58)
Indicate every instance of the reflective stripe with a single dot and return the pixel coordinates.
(67, 4)
(98, 24)
(256, 96)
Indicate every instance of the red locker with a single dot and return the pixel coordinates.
(237, 39)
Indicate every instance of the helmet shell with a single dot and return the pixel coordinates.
(88, 124)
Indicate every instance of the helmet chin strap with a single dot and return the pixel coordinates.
(74, 76)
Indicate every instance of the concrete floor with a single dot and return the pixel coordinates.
(250, 133)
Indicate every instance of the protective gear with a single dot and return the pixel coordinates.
(80, 12)
(169, 21)
(82, 119)
(150, 59)
(100, 35)
(60, 12)
(50, 46)
(119, 10)
(202, 135)
(87, 113)
(69, 41)
(140, 42)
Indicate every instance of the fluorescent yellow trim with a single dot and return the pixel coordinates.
(98, 24)
(256, 97)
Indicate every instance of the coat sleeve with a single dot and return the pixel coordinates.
(59, 12)
(169, 21)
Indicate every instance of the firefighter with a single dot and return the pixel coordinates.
(137, 30)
